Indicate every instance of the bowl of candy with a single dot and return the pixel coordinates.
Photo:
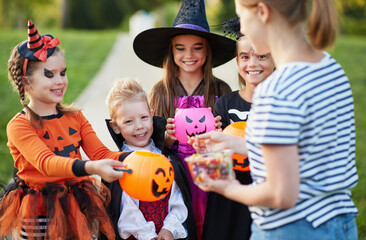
(217, 165)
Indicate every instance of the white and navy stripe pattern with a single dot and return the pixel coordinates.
(311, 106)
(36, 230)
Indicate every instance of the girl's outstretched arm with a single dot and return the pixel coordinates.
(105, 168)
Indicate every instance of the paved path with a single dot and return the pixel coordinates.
(122, 62)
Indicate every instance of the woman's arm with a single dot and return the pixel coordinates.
(216, 141)
(280, 188)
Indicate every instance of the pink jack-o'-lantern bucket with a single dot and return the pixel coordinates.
(192, 121)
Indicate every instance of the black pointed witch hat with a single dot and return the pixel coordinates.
(152, 45)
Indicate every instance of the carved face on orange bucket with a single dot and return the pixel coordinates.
(240, 162)
(162, 181)
(151, 178)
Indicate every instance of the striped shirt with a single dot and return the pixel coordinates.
(310, 105)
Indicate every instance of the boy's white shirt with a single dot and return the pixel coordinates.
(132, 221)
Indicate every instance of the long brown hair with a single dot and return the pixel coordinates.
(322, 24)
(163, 93)
(15, 68)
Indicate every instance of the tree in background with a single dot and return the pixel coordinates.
(15, 13)
(352, 8)
(227, 11)
(95, 14)
(102, 14)
(352, 14)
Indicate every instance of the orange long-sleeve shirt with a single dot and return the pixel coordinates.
(48, 154)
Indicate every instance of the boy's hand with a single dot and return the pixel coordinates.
(165, 235)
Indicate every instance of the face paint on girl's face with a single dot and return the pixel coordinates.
(49, 73)
(48, 83)
(253, 68)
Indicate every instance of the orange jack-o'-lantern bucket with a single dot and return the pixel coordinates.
(151, 178)
(240, 162)
(236, 129)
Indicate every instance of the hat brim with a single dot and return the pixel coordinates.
(28, 53)
(152, 45)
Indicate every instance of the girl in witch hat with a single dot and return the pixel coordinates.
(233, 217)
(52, 196)
(300, 135)
(187, 51)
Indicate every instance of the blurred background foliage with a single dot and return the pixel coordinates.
(108, 14)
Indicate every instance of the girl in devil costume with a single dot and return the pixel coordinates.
(187, 51)
(52, 196)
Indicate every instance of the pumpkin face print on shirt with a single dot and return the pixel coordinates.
(64, 142)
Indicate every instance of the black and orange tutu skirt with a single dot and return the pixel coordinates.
(72, 210)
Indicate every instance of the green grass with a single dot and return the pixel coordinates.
(350, 52)
(85, 52)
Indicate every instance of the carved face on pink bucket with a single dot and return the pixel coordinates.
(193, 121)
